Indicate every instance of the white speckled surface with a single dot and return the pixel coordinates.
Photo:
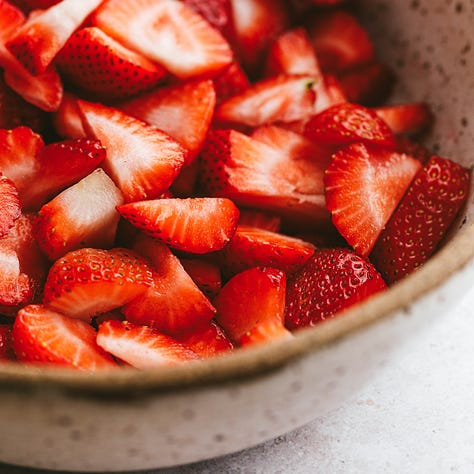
(415, 415)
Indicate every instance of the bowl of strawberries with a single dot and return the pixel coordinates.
(216, 215)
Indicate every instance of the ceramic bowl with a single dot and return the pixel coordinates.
(128, 420)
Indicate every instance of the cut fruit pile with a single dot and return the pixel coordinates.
(183, 178)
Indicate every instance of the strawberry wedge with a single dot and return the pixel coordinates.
(40, 39)
(141, 159)
(167, 32)
(43, 336)
(196, 225)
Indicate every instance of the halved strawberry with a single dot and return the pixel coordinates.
(142, 160)
(183, 111)
(43, 336)
(208, 340)
(254, 247)
(39, 40)
(9, 204)
(206, 275)
(169, 33)
(140, 346)
(348, 123)
(173, 304)
(252, 305)
(67, 120)
(197, 225)
(15, 288)
(83, 215)
(231, 82)
(258, 176)
(340, 41)
(88, 281)
(257, 23)
(6, 342)
(292, 53)
(279, 99)
(111, 72)
(262, 220)
(422, 219)
(410, 119)
(332, 280)
(364, 185)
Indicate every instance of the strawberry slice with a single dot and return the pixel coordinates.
(38, 41)
(254, 247)
(251, 306)
(262, 220)
(88, 281)
(258, 176)
(112, 72)
(340, 41)
(332, 280)
(231, 82)
(422, 219)
(279, 99)
(140, 346)
(209, 340)
(15, 289)
(292, 53)
(348, 123)
(364, 185)
(206, 275)
(257, 23)
(183, 111)
(67, 120)
(197, 225)
(142, 160)
(169, 33)
(410, 119)
(83, 215)
(42, 336)
(10, 205)
(173, 304)
(11, 18)
(6, 343)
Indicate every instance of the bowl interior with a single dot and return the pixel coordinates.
(429, 45)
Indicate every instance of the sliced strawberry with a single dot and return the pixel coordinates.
(173, 304)
(32, 261)
(197, 225)
(28, 5)
(9, 204)
(340, 40)
(254, 247)
(258, 176)
(257, 24)
(39, 40)
(15, 111)
(279, 99)
(369, 84)
(231, 82)
(88, 281)
(364, 185)
(169, 33)
(11, 18)
(208, 340)
(43, 336)
(15, 289)
(206, 275)
(410, 119)
(253, 303)
(83, 215)
(422, 219)
(348, 123)
(61, 164)
(333, 280)
(291, 54)
(262, 220)
(111, 72)
(140, 346)
(142, 160)
(6, 343)
(183, 111)
(67, 120)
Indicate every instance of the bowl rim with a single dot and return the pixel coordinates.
(254, 361)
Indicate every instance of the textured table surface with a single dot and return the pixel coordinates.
(415, 416)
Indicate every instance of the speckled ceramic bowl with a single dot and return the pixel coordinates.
(129, 420)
